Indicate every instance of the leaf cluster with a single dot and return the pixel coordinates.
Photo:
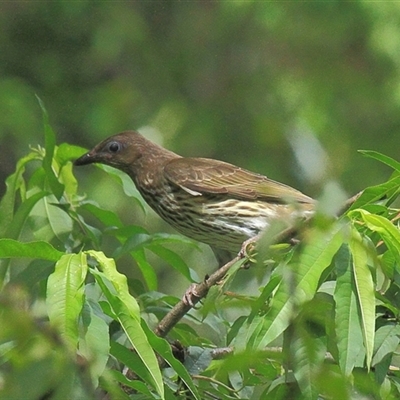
(318, 319)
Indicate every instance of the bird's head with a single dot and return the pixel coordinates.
(120, 151)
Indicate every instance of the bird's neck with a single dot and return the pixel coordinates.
(149, 169)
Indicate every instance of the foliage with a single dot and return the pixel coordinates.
(221, 79)
(320, 319)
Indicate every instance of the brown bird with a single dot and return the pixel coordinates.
(208, 200)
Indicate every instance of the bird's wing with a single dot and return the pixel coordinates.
(201, 175)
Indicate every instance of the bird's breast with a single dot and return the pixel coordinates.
(213, 219)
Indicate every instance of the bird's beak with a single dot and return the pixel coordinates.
(87, 158)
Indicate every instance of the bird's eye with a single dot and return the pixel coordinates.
(114, 147)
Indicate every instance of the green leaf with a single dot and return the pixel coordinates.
(95, 343)
(127, 184)
(10, 248)
(50, 221)
(50, 142)
(131, 360)
(171, 258)
(347, 320)
(65, 294)
(373, 194)
(145, 267)
(15, 228)
(108, 218)
(126, 232)
(387, 339)
(66, 152)
(67, 178)
(308, 356)
(376, 223)
(163, 348)
(314, 259)
(13, 183)
(365, 292)
(127, 311)
(109, 383)
(382, 158)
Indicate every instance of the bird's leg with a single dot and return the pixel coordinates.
(191, 296)
(248, 248)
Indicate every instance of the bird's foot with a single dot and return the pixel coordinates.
(191, 297)
(248, 249)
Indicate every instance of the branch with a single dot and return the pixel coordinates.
(200, 290)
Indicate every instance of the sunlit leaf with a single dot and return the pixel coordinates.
(67, 152)
(65, 293)
(13, 183)
(373, 194)
(10, 248)
(49, 221)
(127, 311)
(377, 223)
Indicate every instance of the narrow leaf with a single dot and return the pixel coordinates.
(127, 185)
(13, 183)
(65, 293)
(163, 348)
(308, 354)
(373, 194)
(10, 248)
(95, 343)
(127, 311)
(171, 258)
(377, 223)
(147, 270)
(131, 360)
(15, 228)
(347, 321)
(50, 221)
(314, 259)
(387, 339)
(365, 292)
(50, 142)
(382, 158)
(107, 217)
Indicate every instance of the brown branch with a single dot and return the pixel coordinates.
(200, 290)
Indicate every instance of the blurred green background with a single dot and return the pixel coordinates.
(288, 89)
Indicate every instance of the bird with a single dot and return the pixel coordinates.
(208, 200)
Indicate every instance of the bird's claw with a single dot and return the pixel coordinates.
(248, 249)
(191, 297)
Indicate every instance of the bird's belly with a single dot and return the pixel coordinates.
(222, 224)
